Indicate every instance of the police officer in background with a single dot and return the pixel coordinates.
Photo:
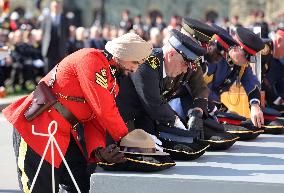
(145, 98)
(273, 70)
(214, 133)
(236, 68)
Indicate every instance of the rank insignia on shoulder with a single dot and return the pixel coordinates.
(153, 61)
(194, 67)
(101, 78)
(208, 78)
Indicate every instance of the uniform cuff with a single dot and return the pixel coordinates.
(201, 103)
(254, 94)
(179, 124)
(254, 100)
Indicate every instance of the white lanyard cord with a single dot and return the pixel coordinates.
(53, 141)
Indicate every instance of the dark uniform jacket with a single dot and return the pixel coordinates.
(221, 76)
(273, 80)
(146, 92)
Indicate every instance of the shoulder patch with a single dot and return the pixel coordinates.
(195, 64)
(153, 61)
(208, 78)
(101, 78)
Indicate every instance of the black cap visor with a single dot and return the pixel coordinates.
(181, 49)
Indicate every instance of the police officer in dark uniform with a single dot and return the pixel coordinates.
(144, 96)
(233, 67)
(273, 69)
(202, 33)
(237, 69)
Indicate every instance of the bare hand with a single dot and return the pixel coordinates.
(256, 115)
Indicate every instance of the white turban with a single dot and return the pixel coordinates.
(129, 47)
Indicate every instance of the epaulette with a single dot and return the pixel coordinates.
(107, 55)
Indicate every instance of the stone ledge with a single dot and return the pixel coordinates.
(254, 166)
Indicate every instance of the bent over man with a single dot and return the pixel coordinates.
(85, 87)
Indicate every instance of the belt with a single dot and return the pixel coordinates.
(67, 115)
(75, 123)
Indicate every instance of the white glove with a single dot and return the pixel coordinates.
(277, 101)
(158, 145)
(179, 124)
(212, 113)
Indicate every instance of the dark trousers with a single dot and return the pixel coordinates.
(16, 74)
(28, 161)
(2, 77)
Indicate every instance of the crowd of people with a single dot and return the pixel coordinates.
(37, 44)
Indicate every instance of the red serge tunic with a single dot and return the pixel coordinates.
(83, 74)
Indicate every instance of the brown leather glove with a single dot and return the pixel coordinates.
(110, 154)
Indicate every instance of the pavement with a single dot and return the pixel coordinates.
(8, 173)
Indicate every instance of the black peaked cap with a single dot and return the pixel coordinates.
(249, 39)
(225, 36)
(201, 31)
(184, 45)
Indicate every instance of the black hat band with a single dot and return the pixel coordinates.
(138, 149)
(181, 49)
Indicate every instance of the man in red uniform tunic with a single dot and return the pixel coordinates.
(85, 85)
